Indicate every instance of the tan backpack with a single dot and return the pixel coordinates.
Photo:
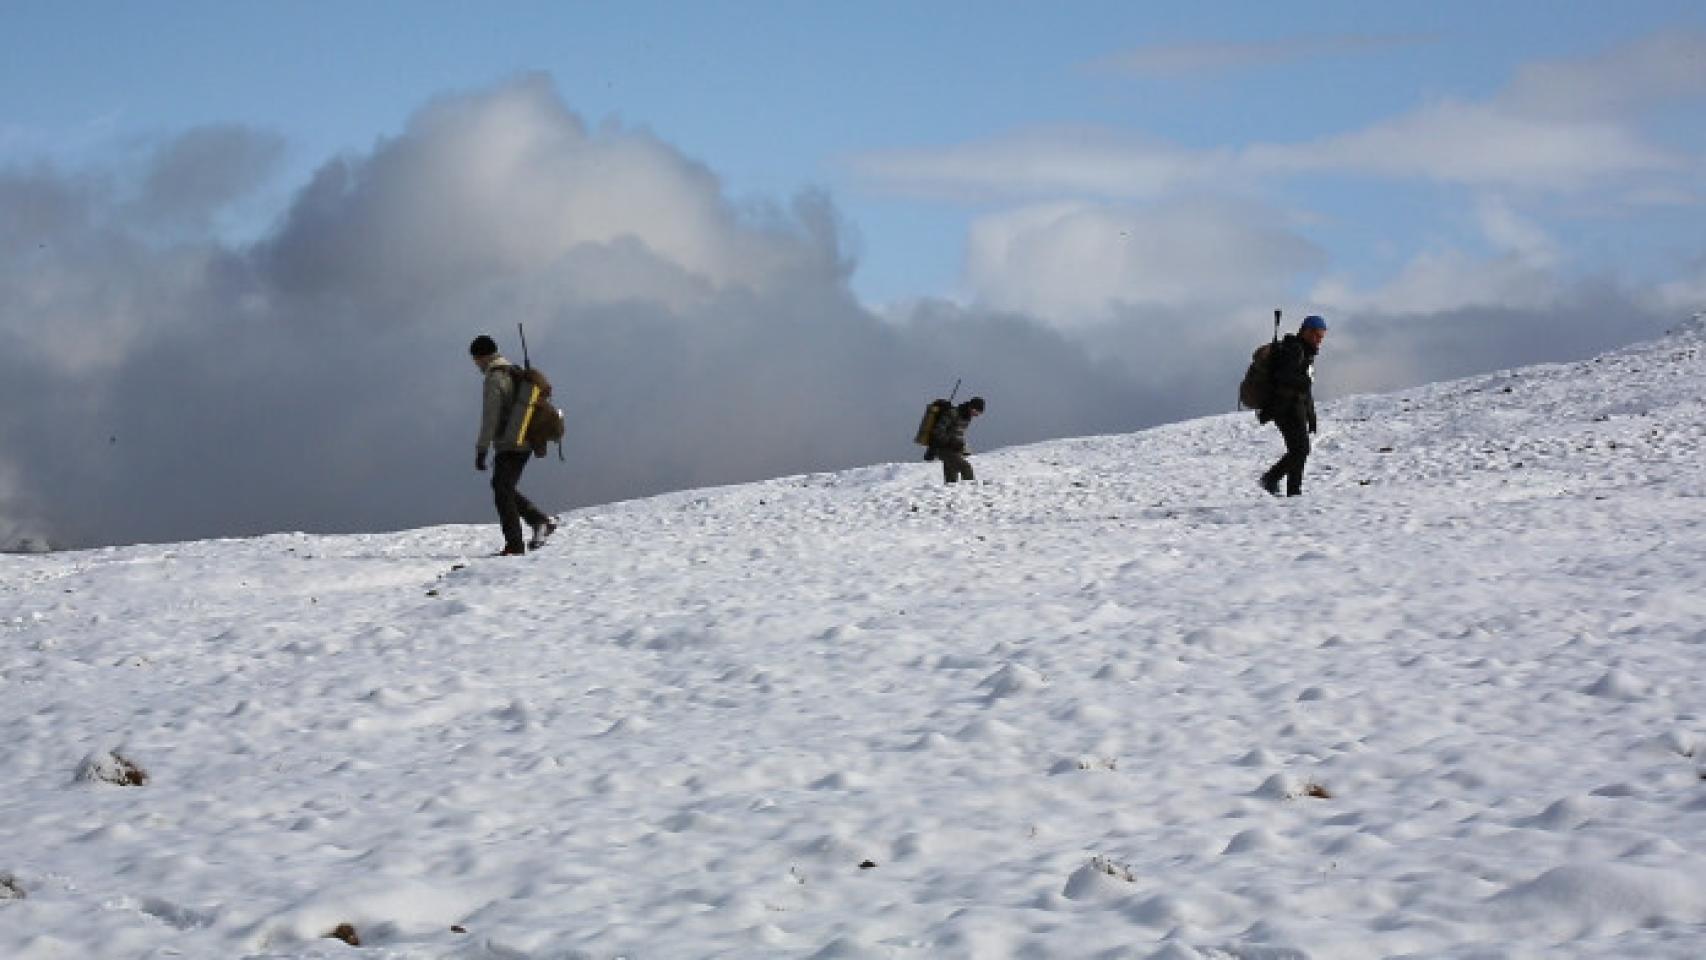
(541, 420)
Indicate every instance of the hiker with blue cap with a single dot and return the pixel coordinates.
(1291, 403)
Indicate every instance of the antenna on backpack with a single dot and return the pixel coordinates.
(528, 365)
(955, 390)
(1276, 325)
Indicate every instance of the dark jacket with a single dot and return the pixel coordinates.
(1291, 371)
(950, 431)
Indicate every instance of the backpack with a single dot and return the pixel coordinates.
(1256, 390)
(933, 411)
(1257, 387)
(541, 421)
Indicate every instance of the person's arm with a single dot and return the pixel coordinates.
(491, 408)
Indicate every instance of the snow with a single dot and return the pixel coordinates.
(1111, 701)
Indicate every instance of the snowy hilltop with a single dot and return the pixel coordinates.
(1110, 701)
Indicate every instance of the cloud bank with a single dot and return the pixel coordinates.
(1557, 126)
(164, 384)
(1137, 245)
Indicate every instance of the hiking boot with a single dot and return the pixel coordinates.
(1270, 484)
(541, 531)
(511, 552)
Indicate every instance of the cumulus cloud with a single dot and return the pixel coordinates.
(164, 384)
(1078, 263)
(1522, 271)
(194, 176)
(1175, 294)
(1116, 237)
(516, 182)
(1076, 160)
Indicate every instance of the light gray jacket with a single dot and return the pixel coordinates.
(497, 396)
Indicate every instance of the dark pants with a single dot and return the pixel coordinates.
(955, 466)
(512, 506)
(1295, 430)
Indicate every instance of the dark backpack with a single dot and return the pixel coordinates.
(1257, 388)
(541, 421)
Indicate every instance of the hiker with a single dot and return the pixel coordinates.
(498, 396)
(948, 440)
(1291, 403)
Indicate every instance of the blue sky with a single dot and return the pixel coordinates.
(779, 97)
(769, 231)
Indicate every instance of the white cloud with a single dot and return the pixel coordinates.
(1521, 272)
(1510, 231)
(518, 182)
(318, 380)
(1043, 162)
(1464, 143)
(1477, 145)
(1563, 125)
(194, 176)
(1442, 280)
(1077, 263)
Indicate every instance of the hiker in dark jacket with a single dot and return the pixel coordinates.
(1291, 403)
(948, 440)
(497, 398)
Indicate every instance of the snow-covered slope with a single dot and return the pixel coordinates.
(1112, 701)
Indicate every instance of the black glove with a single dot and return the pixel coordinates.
(1311, 424)
(480, 460)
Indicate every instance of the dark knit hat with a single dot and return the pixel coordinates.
(1312, 322)
(975, 403)
(483, 346)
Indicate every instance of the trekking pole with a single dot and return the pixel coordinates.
(955, 390)
(527, 364)
(1276, 327)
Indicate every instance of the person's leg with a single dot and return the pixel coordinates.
(506, 473)
(1270, 479)
(530, 513)
(955, 466)
(1296, 433)
(1272, 476)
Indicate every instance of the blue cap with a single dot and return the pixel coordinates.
(1313, 322)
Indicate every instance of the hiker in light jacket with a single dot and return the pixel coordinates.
(1291, 404)
(497, 432)
(948, 440)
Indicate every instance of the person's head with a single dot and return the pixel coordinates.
(1313, 330)
(483, 349)
(972, 407)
